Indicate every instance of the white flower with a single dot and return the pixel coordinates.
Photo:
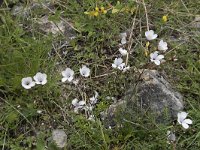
(91, 118)
(93, 100)
(28, 83)
(123, 37)
(118, 63)
(123, 40)
(126, 68)
(68, 74)
(123, 51)
(77, 104)
(85, 71)
(183, 121)
(150, 35)
(162, 46)
(40, 78)
(156, 58)
(39, 111)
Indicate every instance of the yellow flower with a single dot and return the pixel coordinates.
(147, 44)
(146, 52)
(164, 18)
(103, 11)
(96, 13)
(96, 8)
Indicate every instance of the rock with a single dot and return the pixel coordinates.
(20, 11)
(196, 22)
(110, 114)
(55, 28)
(156, 94)
(50, 27)
(171, 137)
(151, 94)
(24, 11)
(59, 137)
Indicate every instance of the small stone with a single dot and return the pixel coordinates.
(59, 137)
(171, 137)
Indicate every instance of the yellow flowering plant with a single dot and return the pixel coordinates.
(96, 12)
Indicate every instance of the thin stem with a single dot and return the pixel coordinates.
(145, 9)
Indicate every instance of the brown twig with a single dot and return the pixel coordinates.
(145, 9)
(130, 40)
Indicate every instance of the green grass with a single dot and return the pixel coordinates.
(24, 51)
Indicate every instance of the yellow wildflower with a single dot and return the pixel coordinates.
(97, 9)
(147, 44)
(146, 52)
(164, 18)
(103, 11)
(96, 13)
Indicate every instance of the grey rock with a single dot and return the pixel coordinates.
(157, 95)
(50, 27)
(24, 11)
(20, 11)
(171, 137)
(196, 22)
(60, 27)
(151, 94)
(110, 114)
(59, 137)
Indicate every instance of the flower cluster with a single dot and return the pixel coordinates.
(78, 104)
(162, 46)
(39, 78)
(118, 8)
(68, 74)
(88, 106)
(118, 62)
(96, 12)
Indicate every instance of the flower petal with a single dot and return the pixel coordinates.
(188, 121)
(185, 125)
(157, 62)
(114, 66)
(123, 40)
(154, 55)
(159, 57)
(74, 102)
(150, 32)
(181, 117)
(82, 103)
(64, 79)
(154, 36)
(44, 82)
(32, 84)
